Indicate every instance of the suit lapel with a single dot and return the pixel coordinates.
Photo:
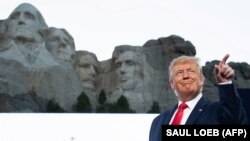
(197, 111)
(170, 114)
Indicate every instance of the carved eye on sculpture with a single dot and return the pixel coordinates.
(118, 65)
(84, 65)
(66, 41)
(29, 15)
(15, 16)
(54, 39)
(130, 63)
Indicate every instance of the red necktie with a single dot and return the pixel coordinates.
(179, 114)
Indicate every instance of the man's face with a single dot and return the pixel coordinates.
(86, 69)
(127, 70)
(24, 23)
(186, 79)
(59, 45)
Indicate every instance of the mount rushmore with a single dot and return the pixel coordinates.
(41, 71)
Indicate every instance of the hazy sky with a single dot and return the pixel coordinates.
(215, 27)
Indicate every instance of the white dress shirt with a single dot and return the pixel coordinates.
(191, 104)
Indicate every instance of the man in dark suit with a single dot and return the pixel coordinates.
(186, 79)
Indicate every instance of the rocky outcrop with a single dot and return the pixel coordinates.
(242, 72)
(25, 103)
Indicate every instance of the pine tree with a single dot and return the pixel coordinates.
(102, 97)
(83, 103)
(121, 106)
(101, 108)
(155, 108)
(54, 107)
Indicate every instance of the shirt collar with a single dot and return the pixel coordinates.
(192, 102)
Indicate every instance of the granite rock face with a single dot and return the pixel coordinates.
(28, 65)
(242, 72)
(39, 64)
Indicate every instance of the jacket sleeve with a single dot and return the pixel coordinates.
(233, 109)
(156, 128)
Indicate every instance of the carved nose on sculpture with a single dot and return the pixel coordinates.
(21, 22)
(63, 44)
(123, 66)
(122, 69)
(92, 70)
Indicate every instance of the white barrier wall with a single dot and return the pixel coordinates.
(75, 127)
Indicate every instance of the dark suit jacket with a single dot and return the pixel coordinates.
(229, 110)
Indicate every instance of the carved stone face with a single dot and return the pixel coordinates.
(128, 70)
(58, 44)
(86, 69)
(23, 23)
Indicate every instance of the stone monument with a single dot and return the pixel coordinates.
(41, 71)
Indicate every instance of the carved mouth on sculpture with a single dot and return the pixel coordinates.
(124, 79)
(63, 55)
(22, 29)
(22, 32)
(90, 84)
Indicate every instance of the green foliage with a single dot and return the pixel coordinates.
(53, 107)
(102, 97)
(83, 104)
(121, 106)
(101, 108)
(155, 108)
